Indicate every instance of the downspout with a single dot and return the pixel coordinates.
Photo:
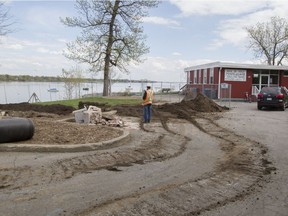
(219, 83)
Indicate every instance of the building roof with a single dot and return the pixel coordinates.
(236, 66)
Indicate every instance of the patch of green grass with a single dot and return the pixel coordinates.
(109, 101)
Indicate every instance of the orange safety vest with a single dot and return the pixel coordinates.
(149, 97)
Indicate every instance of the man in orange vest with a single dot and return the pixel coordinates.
(147, 104)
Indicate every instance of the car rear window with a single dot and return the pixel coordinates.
(271, 90)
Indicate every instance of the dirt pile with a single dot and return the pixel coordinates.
(185, 108)
(189, 107)
(55, 108)
(202, 104)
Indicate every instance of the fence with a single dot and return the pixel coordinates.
(18, 92)
(220, 93)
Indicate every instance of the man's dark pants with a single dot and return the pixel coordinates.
(147, 113)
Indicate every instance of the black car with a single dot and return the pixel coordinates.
(273, 97)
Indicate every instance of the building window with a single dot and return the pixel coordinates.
(199, 76)
(205, 76)
(211, 76)
(274, 80)
(286, 73)
(195, 77)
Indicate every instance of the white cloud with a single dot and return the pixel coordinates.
(176, 54)
(161, 21)
(219, 7)
(26, 56)
(37, 64)
(13, 46)
(161, 69)
(62, 40)
(42, 18)
(231, 30)
(48, 51)
(215, 44)
(12, 43)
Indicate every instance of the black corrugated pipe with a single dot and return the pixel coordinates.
(16, 129)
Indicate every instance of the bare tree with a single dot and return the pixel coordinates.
(270, 40)
(111, 34)
(5, 20)
(72, 81)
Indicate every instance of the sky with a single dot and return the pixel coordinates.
(180, 33)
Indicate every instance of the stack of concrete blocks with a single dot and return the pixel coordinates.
(111, 119)
(92, 115)
(79, 115)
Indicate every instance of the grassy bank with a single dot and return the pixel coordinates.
(109, 101)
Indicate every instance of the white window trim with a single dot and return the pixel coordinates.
(205, 76)
(211, 76)
(199, 76)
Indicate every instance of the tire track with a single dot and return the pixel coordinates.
(240, 172)
(157, 148)
(243, 168)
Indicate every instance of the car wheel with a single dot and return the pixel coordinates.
(259, 107)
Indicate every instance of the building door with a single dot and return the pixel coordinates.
(264, 80)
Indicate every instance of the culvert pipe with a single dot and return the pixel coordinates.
(16, 129)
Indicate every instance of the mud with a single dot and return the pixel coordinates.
(183, 163)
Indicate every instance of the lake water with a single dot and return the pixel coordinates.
(17, 92)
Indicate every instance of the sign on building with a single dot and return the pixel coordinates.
(235, 75)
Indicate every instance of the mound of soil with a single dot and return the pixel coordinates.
(55, 109)
(185, 108)
(202, 104)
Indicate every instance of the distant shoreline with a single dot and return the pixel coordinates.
(28, 78)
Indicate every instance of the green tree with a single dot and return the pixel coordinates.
(270, 39)
(111, 34)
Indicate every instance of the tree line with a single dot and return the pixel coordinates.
(28, 78)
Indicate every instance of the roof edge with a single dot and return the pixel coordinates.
(235, 65)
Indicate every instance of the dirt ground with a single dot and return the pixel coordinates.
(183, 163)
(51, 127)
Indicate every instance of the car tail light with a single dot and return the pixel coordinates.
(280, 96)
(260, 95)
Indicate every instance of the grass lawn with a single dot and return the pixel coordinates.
(112, 101)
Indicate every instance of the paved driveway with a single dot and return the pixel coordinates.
(269, 127)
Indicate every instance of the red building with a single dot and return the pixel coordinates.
(243, 78)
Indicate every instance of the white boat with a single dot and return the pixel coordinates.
(53, 90)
